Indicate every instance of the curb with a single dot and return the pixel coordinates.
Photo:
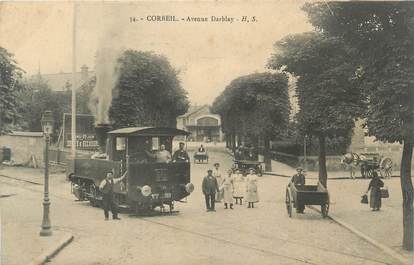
(52, 252)
(385, 249)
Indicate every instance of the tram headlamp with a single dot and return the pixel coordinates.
(146, 190)
(189, 187)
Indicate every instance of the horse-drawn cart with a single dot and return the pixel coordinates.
(245, 165)
(370, 162)
(297, 196)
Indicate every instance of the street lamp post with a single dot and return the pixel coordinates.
(304, 153)
(47, 126)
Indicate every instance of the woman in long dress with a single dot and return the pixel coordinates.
(239, 187)
(217, 175)
(375, 186)
(228, 188)
(252, 194)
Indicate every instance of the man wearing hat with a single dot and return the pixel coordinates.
(299, 180)
(181, 155)
(107, 189)
(210, 187)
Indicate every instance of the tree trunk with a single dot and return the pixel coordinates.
(266, 155)
(407, 194)
(233, 142)
(226, 137)
(323, 175)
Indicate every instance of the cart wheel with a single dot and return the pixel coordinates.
(289, 204)
(386, 167)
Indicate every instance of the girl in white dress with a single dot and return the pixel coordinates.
(239, 186)
(252, 194)
(228, 188)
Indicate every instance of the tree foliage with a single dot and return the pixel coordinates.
(148, 92)
(256, 104)
(10, 86)
(328, 99)
(383, 35)
(37, 97)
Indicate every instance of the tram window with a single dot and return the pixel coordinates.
(120, 143)
(155, 143)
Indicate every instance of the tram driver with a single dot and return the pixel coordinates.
(180, 155)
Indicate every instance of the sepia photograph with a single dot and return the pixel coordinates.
(186, 132)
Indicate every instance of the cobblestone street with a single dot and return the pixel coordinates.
(192, 236)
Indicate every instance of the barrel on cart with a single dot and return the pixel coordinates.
(307, 195)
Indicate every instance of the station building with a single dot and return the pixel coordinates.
(201, 123)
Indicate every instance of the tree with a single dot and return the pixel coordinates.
(10, 86)
(255, 105)
(327, 96)
(148, 92)
(383, 35)
(37, 97)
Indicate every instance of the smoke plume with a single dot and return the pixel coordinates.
(106, 79)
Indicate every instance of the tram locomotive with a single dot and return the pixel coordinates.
(148, 184)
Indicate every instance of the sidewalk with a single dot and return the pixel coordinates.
(384, 226)
(20, 240)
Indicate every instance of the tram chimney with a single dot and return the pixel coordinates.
(101, 131)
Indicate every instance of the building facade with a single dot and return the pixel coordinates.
(201, 123)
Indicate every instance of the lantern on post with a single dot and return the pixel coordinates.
(47, 122)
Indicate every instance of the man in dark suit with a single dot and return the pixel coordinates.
(210, 187)
(180, 155)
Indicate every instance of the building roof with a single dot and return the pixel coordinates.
(149, 131)
(192, 110)
(59, 81)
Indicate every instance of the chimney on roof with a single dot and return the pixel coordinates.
(84, 73)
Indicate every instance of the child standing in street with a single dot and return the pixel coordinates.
(252, 194)
(239, 186)
(228, 188)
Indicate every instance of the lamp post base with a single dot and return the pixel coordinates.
(45, 232)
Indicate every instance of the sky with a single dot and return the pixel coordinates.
(209, 55)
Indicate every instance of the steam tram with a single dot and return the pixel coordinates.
(148, 184)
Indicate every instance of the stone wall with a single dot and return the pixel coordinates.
(23, 146)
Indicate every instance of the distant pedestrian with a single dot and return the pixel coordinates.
(239, 186)
(228, 188)
(107, 189)
(210, 187)
(219, 178)
(375, 186)
(252, 195)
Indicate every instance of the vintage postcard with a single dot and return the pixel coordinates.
(206, 132)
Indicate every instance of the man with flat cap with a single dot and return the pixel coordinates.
(299, 180)
(210, 187)
(180, 155)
